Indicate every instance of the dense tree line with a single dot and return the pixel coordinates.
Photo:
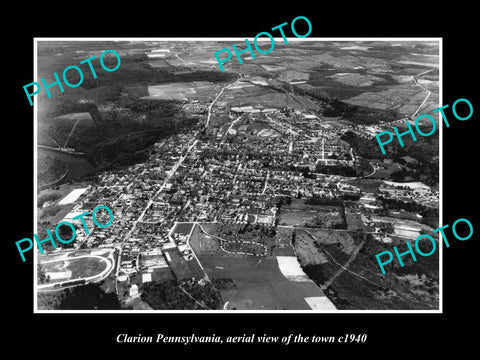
(429, 215)
(89, 297)
(425, 151)
(168, 295)
(342, 170)
(85, 297)
(50, 169)
(317, 200)
(366, 148)
(141, 72)
(42, 277)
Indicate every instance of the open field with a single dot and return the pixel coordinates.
(269, 99)
(312, 218)
(294, 217)
(183, 269)
(307, 252)
(297, 213)
(204, 244)
(72, 196)
(345, 241)
(354, 222)
(356, 79)
(258, 284)
(405, 98)
(183, 228)
(283, 242)
(366, 185)
(293, 75)
(175, 91)
(88, 267)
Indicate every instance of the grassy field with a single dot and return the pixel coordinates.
(354, 222)
(257, 284)
(182, 268)
(79, 268)
(294, 217)
(183, 228)
(344, 240)
(86, 267)
(307, 252)
(252, 282)
(204, 244)
(297, 213)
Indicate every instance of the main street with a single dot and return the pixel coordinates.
(169, 176)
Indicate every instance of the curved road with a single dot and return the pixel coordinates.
(108, 268)
(414, 79)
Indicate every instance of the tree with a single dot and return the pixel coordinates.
(89, 297)
(42, 277)
(65, 232)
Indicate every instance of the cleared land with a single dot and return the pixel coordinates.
(183, 228)
(258, 284)
(251, 283)
(72, 196)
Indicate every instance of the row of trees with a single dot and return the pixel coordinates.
(429, 215)
(85, 297)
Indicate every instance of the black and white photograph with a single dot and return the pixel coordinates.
(261, 187)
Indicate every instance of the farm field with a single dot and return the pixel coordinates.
(258, 284)
(179, 91)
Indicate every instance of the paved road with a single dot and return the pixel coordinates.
(414, 79)
(171, 173)
(218, 96)
(426, 98)
(150, 201)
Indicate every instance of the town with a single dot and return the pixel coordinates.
(262, 189)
